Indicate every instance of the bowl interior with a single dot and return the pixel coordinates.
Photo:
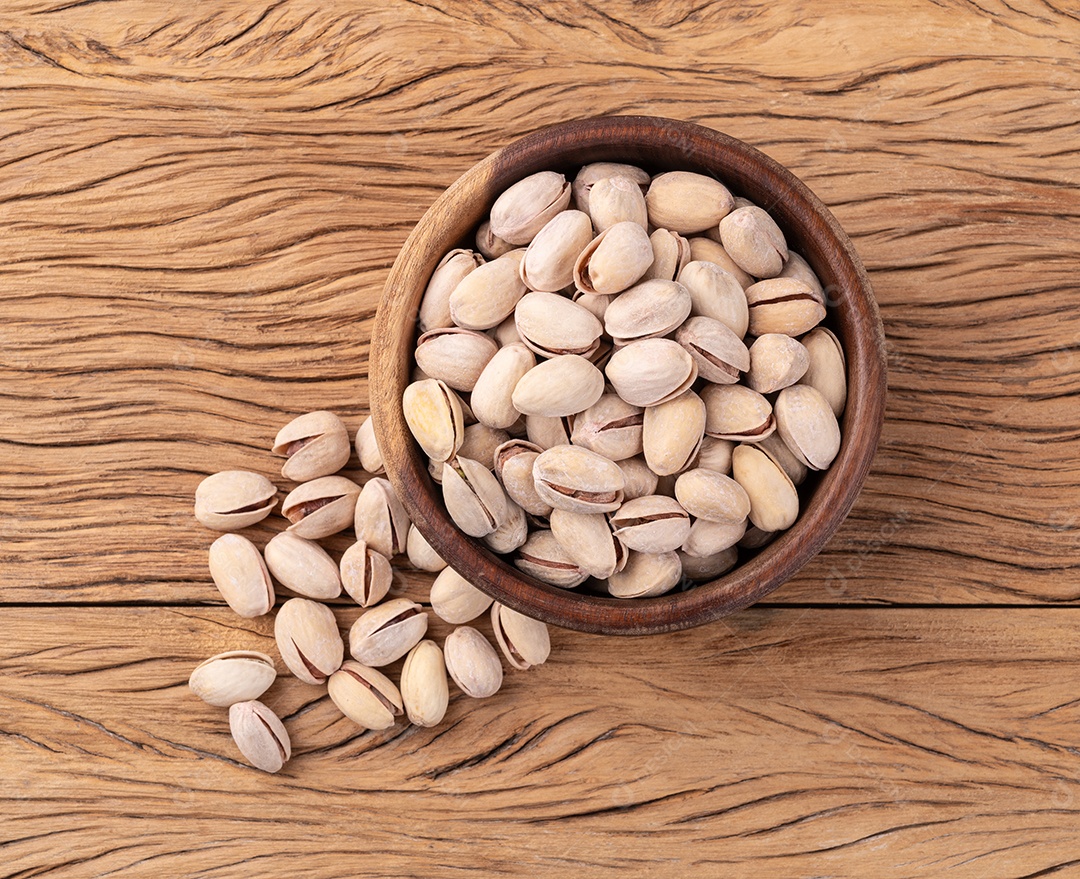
(657, 145)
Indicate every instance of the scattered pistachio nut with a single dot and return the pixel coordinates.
(367, 447)
(260, 735)
(308, 640)
(379, 519)
(366, 575)
(365, 695)
(316, 444)
(524, 642)
(234, 499)
(303, 566)
(231, 677)
(472, 662)
(424, 689)
(240, 574)
(387, 632)
(321, 507)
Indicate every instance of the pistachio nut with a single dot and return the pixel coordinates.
(240, 575)
(639, 478)
(614, 200)
(614, 260)
(549, 260)
(587, 540)
(708, 567)
(380, 520)
(776, 361)
(506, 333)
(648, 309)
(473, 497)
(755, 538)
(387, 632)
(560, 386)
(481, 442)
(717, 294)
(367, 447)
(775, 447)
(235, 676)
(303, 566)
(455, 600)
(651, 371)
(260, 735)
(234, 499)
(827, 369)
(486, 296)
(527, 206)
(424, 689)
(365, 695)
(435, 418)
(715, 454)
(365, 574)
(651, 524)
(592, 174)
(782, 305)
(735, 412)
(719, 353)
(575, 479)
(512, 531)
(672, 433)
(551, 324)
(321, 507)
(610, 427)
(542, 557)
(685, 202)
(646, 574)
(420, 552)
(670, 253)
(547, 432)
(472, 662)
(805, 421)
(490, 244)
(454, 355)
(709, 495)
(308, 640)
(451, 270)
(315, 444)
(513, 467)
(774, 502)
(752, 238)
(524, 641)
(706, 539)
(711, 250)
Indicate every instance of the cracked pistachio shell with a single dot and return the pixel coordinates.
(614, 260)
(755, 538)
(806, 423)
(646, 574)
(472, 662)
(303, 566)
(670, 253)
(513, 468)
(774, 502)
(527, 206)
(365, 695)
(235, 676)
(719, 353)
(233, 499)
(492, 397)
(775, 447)
(575, 479)
(365, 574)
(546, 432)
(752, 238)
(685, 202)
(587, 540)
(424, 689)
(709, 249)
(560, 386)
(706, 494)
(490, 244)
(672, 433)
(735, 412)
(648, 309)
(717, 294)
(783, 305)
(435, 417)
(367, 447)
(776, 361)
(715, 454)
(380, 520)
(308, 640)
(454, 355)
(542, 557)
(827, 369)
(260, 735)
(421, 554)
(707, 539)
(610, 427)
(473, 496)
(549, 261)
(639, 479)
(651, 371)
(451, 270)
(481, 442)
(592, 174)
(315, 444)
(455, 600)
(321, 507)
(240, 575)
(524, 641)
(487, 295)
(614, 200)
(651, 524)
(550, 325)
(387, 632)
(798, 268)
(708, 567)
(511, 533)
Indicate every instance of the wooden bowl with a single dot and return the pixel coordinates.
(658, 145)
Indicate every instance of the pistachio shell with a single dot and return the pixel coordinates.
(455, 600)
(260, 735)
(575, 479)
(651, 524)
(708, 567)
(367, 447)
(707, 538)
(435, 305)
(321, 507)
(807, 425)
(454, 355)
(560, 386)
(711, 250)
(685, 202)
(365, 574)
(434, 415)
(365, 695)
(551, 325)
(717, 294)
(303, 566)
(490, 244)
(240, 575)
(610, 427)
(542, 557)
(774, 502)
(473, 497)
(707, 494)
(646, 575)
(752, 238)
(487, 295)
(776, 361)
(826, 371)
(315, 444)
(782, 305)
(235, 676)
(233, 499)
(524, 641)
(614, 260)
(715, 454)
(617, 199)
(592, 174)
(545, 432)
(308, 640)
(380, 520)
(587, 540)
(650, 308)
(549, 261)
(421, 555)
(472, 662)
(651, 371)
(513, 467)
(735, 412)
(387, 632)
(640, 480)
(798, 268)
(755, 538)
(672, 433)
(424, 690)
(526, 207)
(481, 442)
(511, 533)
(775, 447)
(717, 350)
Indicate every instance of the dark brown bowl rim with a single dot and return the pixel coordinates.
(811, 229)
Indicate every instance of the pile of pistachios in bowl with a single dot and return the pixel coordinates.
(316, 446)
(622, 383)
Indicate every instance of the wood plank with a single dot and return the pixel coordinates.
(839, 742)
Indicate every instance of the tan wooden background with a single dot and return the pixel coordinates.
(198, 205)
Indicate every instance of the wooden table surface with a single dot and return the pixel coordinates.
(198, 206)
